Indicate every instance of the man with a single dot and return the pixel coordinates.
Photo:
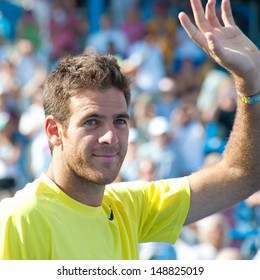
(70, 213)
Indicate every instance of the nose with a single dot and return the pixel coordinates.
(109, 137)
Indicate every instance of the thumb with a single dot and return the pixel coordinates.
(214, 47)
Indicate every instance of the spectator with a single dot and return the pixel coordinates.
(207, 97)
(168, 100)
(31, 125)
(186, 49)
(161, 149)
(129, 169)
(10, 151)
(145, 55)
(133, 26)
(143, 110)
(64, 29)
(212, 236)
(9, 89)
(147, 170)
(163, 27)
(118, 10)
(229, 253)
(27, 28)
(106, 35)
(188, 78)
(218, 120)
(189, 137)
(29, 71)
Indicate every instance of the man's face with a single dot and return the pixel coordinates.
(95, 142)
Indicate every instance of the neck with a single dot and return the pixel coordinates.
(77, 188)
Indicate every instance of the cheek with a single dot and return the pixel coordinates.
(123, 139)
(75, 145)
(76, 154)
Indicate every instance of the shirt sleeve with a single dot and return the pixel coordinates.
(155, 211)
(19, 234)
(164, 211)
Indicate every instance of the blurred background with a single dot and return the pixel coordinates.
(182, 108)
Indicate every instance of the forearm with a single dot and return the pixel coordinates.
(237, 175)
(242, 152)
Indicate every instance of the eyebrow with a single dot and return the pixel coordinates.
(116, 116)
(122, 115)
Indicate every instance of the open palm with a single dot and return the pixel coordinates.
(225, 43)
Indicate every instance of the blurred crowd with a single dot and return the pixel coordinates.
(182, 110)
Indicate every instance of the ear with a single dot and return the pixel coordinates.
(53, 131)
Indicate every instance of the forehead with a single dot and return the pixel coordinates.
(108, 100)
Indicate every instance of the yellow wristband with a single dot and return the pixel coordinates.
(250, 99)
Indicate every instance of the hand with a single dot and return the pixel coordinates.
(226, 44)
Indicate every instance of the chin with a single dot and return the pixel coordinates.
(108, 176)
(100, 177)
(105, 180)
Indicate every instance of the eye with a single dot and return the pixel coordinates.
(120, 122)
(91, 122)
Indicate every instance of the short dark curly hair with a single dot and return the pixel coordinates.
(84, 71)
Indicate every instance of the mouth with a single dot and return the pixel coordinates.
(106, 157)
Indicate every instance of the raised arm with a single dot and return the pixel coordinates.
(237, 175)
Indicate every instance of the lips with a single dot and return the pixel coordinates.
(106, 157)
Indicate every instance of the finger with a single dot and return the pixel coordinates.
(215, 48)
(226, 13)
(221, 55)
(192, 31)
(211, 14)
(199, 16)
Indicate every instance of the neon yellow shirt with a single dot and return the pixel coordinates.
(41, 222)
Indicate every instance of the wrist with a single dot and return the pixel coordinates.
(250, 99)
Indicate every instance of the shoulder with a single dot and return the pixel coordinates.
(24, 201)
(125, 190)
(146, 190)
